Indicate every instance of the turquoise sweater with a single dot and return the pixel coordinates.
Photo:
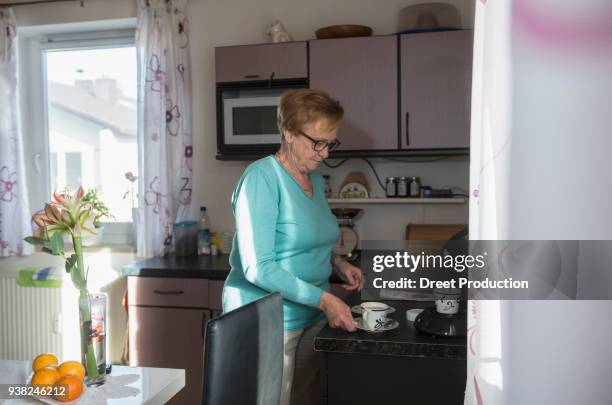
(283, 242)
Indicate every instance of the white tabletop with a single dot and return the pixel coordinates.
(125, 385)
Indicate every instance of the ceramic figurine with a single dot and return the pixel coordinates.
(277, 32)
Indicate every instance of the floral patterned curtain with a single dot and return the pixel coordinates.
(164, 127)
(14, 207)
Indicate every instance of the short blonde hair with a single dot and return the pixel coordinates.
(301, 107)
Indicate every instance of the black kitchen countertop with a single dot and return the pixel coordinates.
(205, 266)
(405, 340)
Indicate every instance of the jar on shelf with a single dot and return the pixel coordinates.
(402, 187)
(414, 189)
(391, 187)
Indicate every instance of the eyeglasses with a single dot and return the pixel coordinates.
(319, 146)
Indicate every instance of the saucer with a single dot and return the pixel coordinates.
(390, 325)
(357, 309)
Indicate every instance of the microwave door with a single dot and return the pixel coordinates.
(250, 121)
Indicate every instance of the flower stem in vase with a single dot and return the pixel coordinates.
(79, 280)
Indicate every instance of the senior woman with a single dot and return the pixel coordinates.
(284, 235)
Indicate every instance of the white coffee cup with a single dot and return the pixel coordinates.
(374, 315)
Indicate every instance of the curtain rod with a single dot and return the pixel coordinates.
(25, 3)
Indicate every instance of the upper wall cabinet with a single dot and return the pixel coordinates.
(436, 81)
(362, 74)
(261, 62)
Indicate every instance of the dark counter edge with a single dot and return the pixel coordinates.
(408, 349)
(209, 267)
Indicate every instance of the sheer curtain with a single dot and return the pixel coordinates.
(14, 207)
(164, 127)
(540, 145)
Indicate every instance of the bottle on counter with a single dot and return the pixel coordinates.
(414, 187)
(204, 233)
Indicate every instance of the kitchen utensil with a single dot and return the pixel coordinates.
(434, 323)
(185, 238)
(374, 314)
(412, 314)
(428, 17)
(343, 31)
(354, 185)
(357, 309)
(389, 325)
(349, 240)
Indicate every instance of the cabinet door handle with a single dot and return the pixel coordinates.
(177, 292)
(407, 128)
(251, 76)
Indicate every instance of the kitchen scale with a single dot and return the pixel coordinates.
(349, 240)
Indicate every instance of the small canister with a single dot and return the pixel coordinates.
(415, 187)
(391, 187)
(402, 187)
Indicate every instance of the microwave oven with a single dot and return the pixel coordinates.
(246, 117)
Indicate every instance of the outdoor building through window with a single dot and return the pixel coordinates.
(92, 123)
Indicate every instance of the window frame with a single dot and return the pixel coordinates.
(35, 42)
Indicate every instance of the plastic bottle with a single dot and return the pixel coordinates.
(204, 233)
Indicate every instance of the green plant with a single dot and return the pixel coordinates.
(99, 209)
(71, 215)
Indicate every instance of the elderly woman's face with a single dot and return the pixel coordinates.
(303, 148)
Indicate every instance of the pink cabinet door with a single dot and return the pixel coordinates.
(171, 338)
(257, 62)
(362, 74)
(436, 82)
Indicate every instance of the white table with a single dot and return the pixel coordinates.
(124, 385)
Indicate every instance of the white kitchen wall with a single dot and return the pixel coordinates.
(231, 22)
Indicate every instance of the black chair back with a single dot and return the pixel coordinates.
(243, 355)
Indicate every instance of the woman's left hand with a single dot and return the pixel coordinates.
(351, 275)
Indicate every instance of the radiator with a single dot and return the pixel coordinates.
(30, 321)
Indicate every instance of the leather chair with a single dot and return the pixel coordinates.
(243, 355)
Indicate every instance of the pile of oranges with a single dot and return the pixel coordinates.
(68, 375)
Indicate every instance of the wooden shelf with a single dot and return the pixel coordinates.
(454, 200)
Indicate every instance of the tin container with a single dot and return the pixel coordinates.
(391, 187)
(402, 187)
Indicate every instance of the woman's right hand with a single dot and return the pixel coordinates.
(337, 312)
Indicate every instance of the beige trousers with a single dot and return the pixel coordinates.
(301, 384)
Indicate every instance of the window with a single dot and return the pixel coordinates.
(79, 117)
(91, 116)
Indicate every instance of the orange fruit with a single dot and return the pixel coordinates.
(69, 388)
(45, 376)
(44, 360)
(72, 367)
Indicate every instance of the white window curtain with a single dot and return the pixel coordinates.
(539, 159)
(14, 207)
(164, 127)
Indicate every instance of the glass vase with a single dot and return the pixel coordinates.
(92, 316)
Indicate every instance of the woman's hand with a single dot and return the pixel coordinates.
(337, 312)
(351, 275)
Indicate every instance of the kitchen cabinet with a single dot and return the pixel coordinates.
(287, 60)
(167, 317)
(436, 72)
(170, 338)
(410, 367)
(362, 74)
